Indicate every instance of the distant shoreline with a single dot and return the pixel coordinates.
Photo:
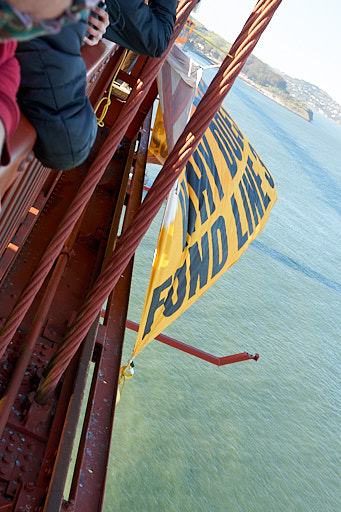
(273, 97)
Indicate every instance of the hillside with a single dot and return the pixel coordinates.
(297, 95)
(313, 97)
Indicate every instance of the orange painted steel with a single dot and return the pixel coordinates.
(36, 327)
(88, 186)
(176, 161)
(196, 352)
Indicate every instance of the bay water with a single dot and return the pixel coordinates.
(253, 436)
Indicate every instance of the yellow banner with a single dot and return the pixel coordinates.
(157, 151)
(220, 204)
(177, 83)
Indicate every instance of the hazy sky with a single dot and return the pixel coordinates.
(303, 38)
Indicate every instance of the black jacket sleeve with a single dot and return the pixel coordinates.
(145, 29)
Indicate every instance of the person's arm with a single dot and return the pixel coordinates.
(96, 27)
(145, 29)
(9, 110)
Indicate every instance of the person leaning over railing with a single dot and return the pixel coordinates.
(52, 95)
(24, 19)
(11, 16)
(53, 78)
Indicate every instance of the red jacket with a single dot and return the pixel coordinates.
(9, 83)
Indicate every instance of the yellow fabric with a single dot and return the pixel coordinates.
(157, 151)
(222, 201)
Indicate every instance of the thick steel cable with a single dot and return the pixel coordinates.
(176, 161)
(89, 184)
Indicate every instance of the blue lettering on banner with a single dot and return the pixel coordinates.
(258, 180)
(192, 215)
(200, 185)
(246, 207)
(198, 268)
(252, 194)
(227, 125)
(267, 174)
(199, 260)
(242, 237)
(183, 205)
(255, 201)
(224, 148)
(206, 152)
(230, 144)
(219, 253)
(155, 304)
(180, 277)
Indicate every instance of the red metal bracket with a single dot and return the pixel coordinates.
(218, 361)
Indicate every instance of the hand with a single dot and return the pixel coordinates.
(41, 9)
(99, 27)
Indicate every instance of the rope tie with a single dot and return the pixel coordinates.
(126, 372)
(100, 120)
